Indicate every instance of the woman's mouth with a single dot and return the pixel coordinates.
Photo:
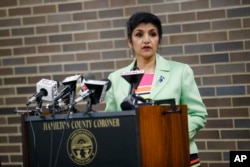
(146, 48)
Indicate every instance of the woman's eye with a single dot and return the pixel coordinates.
(138, 35)
(153, 34)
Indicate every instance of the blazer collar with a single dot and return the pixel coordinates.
(161, 64)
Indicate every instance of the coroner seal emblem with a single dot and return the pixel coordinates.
(81, 146)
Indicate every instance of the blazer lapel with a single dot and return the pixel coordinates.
(162, 75)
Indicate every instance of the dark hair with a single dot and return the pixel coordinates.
(143, 17)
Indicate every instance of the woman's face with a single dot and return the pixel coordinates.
(144, 40)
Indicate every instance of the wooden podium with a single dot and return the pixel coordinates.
(148, 137)
(164, 138)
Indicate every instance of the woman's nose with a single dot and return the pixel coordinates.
(146, 39)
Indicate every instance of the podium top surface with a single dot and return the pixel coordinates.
(81, 115)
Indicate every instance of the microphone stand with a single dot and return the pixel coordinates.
(89, 104)
(72, 103)
(38, 107)
(131, 101)
(133, 96)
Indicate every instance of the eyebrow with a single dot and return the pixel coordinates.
(140, 30)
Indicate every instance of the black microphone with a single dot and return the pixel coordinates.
(108, 84)
(72, 87)
(98, 91)
(133, 77)
(83, 96)
(84, 91)
(36, 96)
(66, 95)
(45, 90)
(64, 92)
(88, 76)
(106, 88)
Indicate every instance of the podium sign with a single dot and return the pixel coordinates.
(102, 139)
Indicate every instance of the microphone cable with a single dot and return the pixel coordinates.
(72, 95)
(63, 131)
(51, 135)
(52, 132)
(34, 139)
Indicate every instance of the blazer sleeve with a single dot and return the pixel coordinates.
(109, 97)
(197, 113)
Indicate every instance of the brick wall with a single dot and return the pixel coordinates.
(54, 39)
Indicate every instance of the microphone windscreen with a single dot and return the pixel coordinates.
(80, 86)
(49, 88)
(89, 76)
(108, 83)
(71, 79)
(135, 68)
(57, 84)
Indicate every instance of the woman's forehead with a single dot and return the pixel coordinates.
(145, 27)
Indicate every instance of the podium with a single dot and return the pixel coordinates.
(163, 136)
(147, 137)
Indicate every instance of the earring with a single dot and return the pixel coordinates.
(131, 52)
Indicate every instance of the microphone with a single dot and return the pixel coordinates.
(98, 89)
(133, 77)
(45, 90)
(108, 84)
(70, 86)
(64, 92)
(84, 91)
(86, 77)
(95, 89)
(83, 95)
(96, 92)
(67, 94)
(60, 106)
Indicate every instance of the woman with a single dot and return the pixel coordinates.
(162, 79)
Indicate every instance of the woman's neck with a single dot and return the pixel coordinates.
(148, 65)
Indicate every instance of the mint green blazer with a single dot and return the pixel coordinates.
(178, 83)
